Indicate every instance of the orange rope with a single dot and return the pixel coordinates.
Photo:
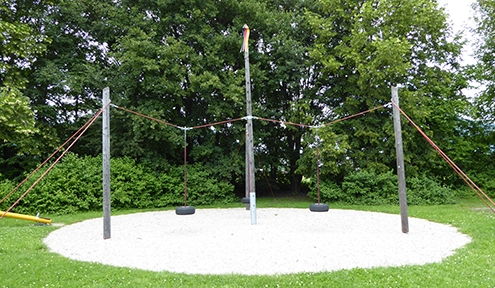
(243, 118)
(326, 124)
(146, 116)
(352, 116)
(56, 161)
(185, 168)
(177, 126)
(237, 119)
(48, 159)
(459, 172)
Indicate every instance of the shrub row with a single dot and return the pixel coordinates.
(369, 188)
(75, 184)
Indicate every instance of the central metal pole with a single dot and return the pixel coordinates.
(250, 178)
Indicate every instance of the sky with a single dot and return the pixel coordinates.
(460, 15)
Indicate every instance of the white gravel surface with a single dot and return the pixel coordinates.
(223, 241)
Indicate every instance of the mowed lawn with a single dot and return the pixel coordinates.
(26, 262)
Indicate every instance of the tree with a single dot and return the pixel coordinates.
(16, 117)
(180, 62)
(190, 71)
(285, 89)
(481, 129)
(66, 81)
(21, 43)
(366, 46)
(484, 71)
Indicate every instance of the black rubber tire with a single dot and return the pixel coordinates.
(315, 207)
(185, 210)
(246, 200)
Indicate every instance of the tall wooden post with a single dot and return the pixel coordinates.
(106, 164)
(400, 162)
(250, 177)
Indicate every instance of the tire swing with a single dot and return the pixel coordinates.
(185, 210)
(318, 207)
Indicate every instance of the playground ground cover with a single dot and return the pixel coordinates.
(26, 262)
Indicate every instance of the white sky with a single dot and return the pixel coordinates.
(460, 16)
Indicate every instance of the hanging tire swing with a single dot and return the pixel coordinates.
(318, 207)
(185, 210)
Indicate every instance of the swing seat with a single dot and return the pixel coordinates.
(185, 210)
(318, 207)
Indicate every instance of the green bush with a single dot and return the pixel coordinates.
(75, 184)
(329, 192)
(369, 188)
(133, 185)
(485, 181)
(202, 187)
(422, 190)
(5, 187)
(72, 185)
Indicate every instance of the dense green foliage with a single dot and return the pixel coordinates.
(16, 118)
(28, 263)
(20, 44)
(483, 71)
(75, 185)
(370, 188)
(312, 62)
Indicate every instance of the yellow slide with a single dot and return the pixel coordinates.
(26, 217)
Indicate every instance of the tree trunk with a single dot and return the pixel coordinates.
(295, 182)
(295, 179)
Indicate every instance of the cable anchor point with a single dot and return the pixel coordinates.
(249, 118)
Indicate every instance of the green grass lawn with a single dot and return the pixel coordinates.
(25, 261)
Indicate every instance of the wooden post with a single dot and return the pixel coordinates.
(400, 161)
(250, 177)
(106, 164)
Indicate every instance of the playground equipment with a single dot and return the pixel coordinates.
(26, 217)
(318, 207)
(185, 210)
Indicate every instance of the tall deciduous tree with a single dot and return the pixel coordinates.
(21, 42)
(16, 117)
(179, 61)
(485, 70)
(366, 46)
(66, 81)
(289, 88)
(482, 130)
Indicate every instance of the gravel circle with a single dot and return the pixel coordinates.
(223, 241)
